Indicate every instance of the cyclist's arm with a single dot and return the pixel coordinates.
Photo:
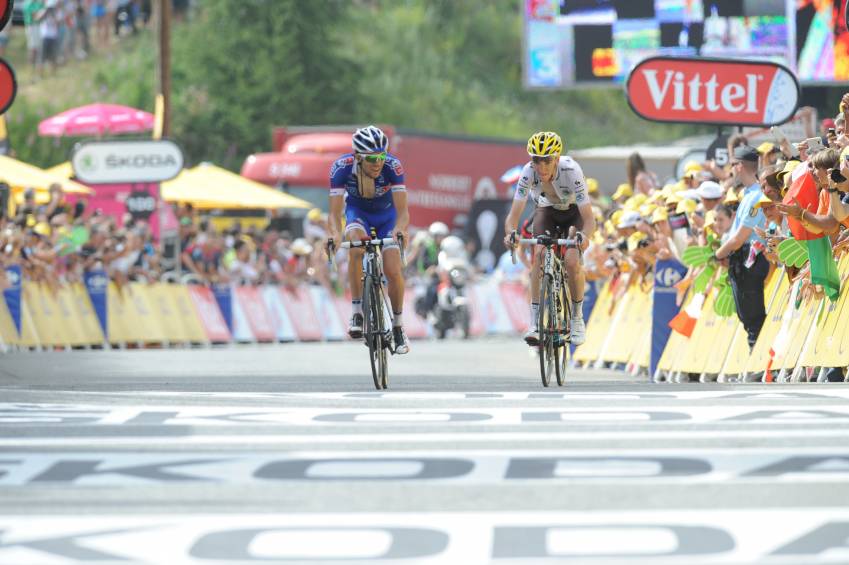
(334, 218)
(520, 198)
(589, 220)
(402, 221)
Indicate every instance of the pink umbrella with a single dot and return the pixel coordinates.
(97, 120)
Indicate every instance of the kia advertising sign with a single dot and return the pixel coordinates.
(713, 91)
(8, 85)
(114, 162)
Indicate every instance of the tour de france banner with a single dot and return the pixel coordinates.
(97, 285)
(667, 273)
(12, 294)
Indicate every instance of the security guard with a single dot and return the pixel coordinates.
(747, 267)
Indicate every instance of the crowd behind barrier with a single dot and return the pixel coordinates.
(736, 271)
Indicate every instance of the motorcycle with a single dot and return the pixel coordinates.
(452, 304)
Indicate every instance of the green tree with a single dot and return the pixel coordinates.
(249, 65)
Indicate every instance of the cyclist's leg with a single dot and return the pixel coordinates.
(356, 228)
(566, 220)
(542, 225)
(392, 268)
(575, 272)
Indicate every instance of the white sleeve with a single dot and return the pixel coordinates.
(523, 187)
(582, 196)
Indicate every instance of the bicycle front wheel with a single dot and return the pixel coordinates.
(565, 326)
(547, 330)
(373, 331)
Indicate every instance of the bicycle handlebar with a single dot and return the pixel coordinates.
(363, 243)
(513, 236)
(547, 241)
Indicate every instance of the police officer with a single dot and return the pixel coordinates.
(747, 267)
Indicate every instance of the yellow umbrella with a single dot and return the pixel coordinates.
(21, 176)
(64, 170)
(207, 186)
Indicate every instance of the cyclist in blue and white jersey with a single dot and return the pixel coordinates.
(368, 185)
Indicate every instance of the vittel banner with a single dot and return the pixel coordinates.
(713, 91)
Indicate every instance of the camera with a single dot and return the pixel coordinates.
(836, 176)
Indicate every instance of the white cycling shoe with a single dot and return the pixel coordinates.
(579, 332)
(532, 337)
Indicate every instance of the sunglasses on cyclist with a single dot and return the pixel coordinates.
(538, 160)
(374, 157)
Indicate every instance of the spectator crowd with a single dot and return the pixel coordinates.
(57, 242)
(58, 31)
(739, 209)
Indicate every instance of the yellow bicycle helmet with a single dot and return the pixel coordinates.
(544, 144)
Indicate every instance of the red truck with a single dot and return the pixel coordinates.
(444, 173)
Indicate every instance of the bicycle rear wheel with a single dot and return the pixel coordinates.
(374, 331)
(565, 325)
(546, 328)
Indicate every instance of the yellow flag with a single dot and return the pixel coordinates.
(4, 136)
(159, 114)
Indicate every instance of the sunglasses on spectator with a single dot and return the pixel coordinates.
(374, 157)
(547, 159)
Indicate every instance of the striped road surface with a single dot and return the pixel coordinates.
(286, 454)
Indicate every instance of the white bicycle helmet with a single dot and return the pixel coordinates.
(369, 139)
(437, 229)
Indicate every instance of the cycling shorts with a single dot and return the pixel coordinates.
(548, 221)
(381, 220)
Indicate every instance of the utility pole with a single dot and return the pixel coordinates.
(165, 64)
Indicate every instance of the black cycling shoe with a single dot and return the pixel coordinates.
(400, 338)
(355, 328)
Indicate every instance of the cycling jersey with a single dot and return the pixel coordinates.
(569, 185)
(344, 182)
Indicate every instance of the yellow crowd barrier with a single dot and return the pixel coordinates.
(63, 317)
(802, 330)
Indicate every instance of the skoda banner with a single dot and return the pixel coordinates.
(117, 162)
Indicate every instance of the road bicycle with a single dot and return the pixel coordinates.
(377, 311)
(554, 322)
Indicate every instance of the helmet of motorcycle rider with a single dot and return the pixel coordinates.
(453, 247)
(438, 229)
(452, 253)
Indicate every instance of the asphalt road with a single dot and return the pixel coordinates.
(286, 454)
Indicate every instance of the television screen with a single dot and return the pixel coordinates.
(582, 42)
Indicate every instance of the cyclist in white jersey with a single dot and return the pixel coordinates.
(557, 185)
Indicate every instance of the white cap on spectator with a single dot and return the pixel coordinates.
(710, 190)
(629, 219)
(301, 247)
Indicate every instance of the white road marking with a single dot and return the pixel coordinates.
(68, 415)
(99, 468)
(771, 536)
(746, 392)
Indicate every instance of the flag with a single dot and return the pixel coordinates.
(685, 321)
(824, 273)
(803, 192)
(159, 116)
(4, 136)
(823, 267)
